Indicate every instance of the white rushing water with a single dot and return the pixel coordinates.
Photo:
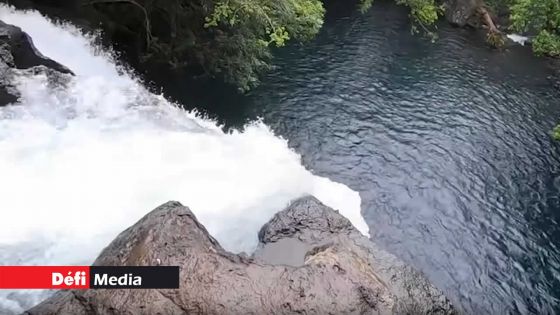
(80, 163)
(520, 39)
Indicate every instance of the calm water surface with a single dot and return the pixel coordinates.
(448, 144)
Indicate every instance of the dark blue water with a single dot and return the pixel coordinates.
(448, 144)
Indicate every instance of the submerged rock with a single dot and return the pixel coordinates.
(331, 269)
(18, 52)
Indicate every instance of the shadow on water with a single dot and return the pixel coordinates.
(448, 144)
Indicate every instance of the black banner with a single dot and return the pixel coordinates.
(134, 277)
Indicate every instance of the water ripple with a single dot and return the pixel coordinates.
(448, 144)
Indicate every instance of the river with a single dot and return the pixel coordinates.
(448, 144)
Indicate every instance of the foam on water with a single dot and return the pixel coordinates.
(520, 39)
(80, 163)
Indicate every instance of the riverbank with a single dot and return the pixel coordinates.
(192, 42)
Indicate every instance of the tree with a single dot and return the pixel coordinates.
(254, 25)
(541, 17)
(230, 39)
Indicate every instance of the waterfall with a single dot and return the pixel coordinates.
(82, 160)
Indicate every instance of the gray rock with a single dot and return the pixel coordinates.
(335, 270)
(459, 12)
(7, 96)
(24, 54)
(325, 231)
(7, 92)
(18, 52)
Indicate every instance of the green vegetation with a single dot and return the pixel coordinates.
(263, 23)
(425, 12)
(422, 12)
(540, 17)
(495, 39)
(256, 25)
(556, 133)
(232, 39)
(547, 43)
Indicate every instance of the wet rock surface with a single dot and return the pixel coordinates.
(18, 52)
(331, 269)
(23, 52)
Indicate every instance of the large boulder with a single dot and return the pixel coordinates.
(310, 260)
(18, 52)
(460, 12)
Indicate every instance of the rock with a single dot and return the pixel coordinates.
(23, 52)
(335, 270)
(324, 231)
(459, 12)
(7, 92)
(18, 52)
(7, 97)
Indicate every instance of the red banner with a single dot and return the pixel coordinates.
(89, 277)
(44, 277)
